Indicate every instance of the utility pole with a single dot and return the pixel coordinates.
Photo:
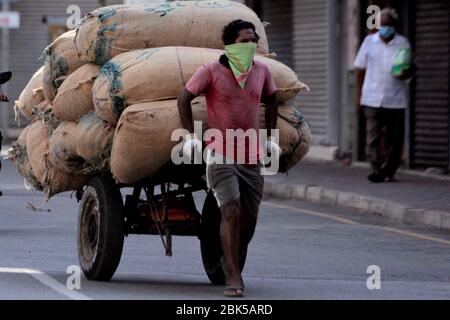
(4, 112)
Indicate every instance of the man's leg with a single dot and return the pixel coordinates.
(223, 181)
(230, 236)
(251, 185)
(395, 134)
(373, 130)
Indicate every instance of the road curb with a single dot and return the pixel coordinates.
(348, 200)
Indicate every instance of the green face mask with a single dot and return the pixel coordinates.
(240, 57)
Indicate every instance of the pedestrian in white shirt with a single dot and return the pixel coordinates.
(383, 95)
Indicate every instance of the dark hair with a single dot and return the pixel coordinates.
(231, 31)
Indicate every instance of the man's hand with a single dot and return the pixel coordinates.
(272, 148)
(406, 74)
(191, 144)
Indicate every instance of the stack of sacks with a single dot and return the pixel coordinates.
(108, 93)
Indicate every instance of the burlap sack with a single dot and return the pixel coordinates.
(18, 155)
(51, 178)
(294, 134)
(94, 141)
(74, 98)
(43, 110)
(161, 73)
(142, 142)
(61, 59)
(109, 31)
(63, 149)
(31, 96)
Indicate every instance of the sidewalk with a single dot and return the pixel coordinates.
(412, 199)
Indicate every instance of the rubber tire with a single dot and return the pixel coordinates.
(210, 243)
(110, 229)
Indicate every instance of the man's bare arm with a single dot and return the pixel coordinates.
(185, 109)
(271, 112)
(360, 75)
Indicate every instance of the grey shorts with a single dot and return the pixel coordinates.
(236, 182)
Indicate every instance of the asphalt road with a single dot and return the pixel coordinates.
(300, 251)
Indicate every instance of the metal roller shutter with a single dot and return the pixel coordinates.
(430, 116)
(311, 52)
(279, 31)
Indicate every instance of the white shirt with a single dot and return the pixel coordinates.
(381, 88)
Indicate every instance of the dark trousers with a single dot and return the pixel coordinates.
(393, 121)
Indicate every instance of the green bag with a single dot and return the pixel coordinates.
(402, 61)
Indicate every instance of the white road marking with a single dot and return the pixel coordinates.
(48, 281)
(312, 213)
(347, 221)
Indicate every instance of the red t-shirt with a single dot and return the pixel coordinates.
(230, 107)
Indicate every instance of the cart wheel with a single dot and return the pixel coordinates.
(100, 229)
(210, 243)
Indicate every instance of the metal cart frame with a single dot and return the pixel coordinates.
(163, 205)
